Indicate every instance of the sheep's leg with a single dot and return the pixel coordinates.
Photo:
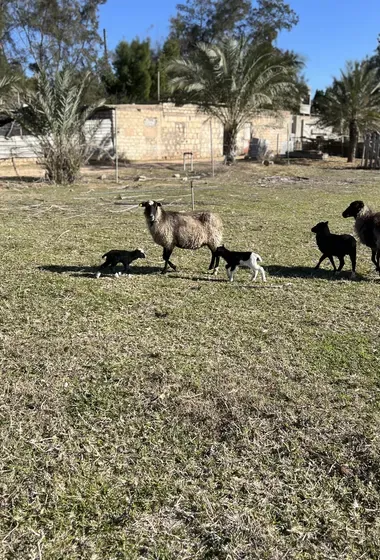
(262, 272)
(101, 268)
(353, 263)
(231, 275)
(126, 269)
(212, 263)
(341, 263)
(375, 258)
(166, 256)
(323, 257)
(332, 262)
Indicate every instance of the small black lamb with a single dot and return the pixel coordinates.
(332, 245)
(118, 256)
(245, 259)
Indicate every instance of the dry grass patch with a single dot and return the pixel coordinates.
(181, 416)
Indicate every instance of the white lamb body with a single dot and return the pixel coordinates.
(252, 264)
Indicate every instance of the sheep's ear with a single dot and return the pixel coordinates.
(158, 203)
(142, 204)
(326, 223)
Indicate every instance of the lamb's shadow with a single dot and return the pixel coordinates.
(90, 271)
(310, 272)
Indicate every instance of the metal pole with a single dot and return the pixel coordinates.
(212, 151)
(158, 86)
(278, 143)
(287, 133)
(116, 150)
(192, 195)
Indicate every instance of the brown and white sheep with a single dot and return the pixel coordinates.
(186, 230)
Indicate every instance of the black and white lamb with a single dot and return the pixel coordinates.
(367, 227)
(333, 245)
(244, 259)
(114, 257)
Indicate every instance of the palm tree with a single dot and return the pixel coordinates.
(234, 80)
(54, 113)
(352, 104)
(7, 83)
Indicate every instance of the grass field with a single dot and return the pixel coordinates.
(180, 416)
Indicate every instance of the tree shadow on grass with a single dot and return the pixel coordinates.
(90, 271)
(310, 273)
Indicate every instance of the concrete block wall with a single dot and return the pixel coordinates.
(165, 131)
(159, 132)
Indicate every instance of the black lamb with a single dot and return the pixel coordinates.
(118, 256)
(332, 245)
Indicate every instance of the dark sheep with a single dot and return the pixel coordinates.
(367, 227)
(332, 245)
(114, 257)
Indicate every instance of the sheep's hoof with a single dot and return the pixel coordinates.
(353, 275)
(97, 275)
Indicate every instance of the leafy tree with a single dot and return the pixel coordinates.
(210, 20)
(352, 104)
(132, 64)
(317, 100)
(160, 62)
(49, 34)
(234, 80)
(55, 114)
(269, 18)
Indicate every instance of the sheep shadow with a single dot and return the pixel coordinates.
(90, 271)
(309, 272)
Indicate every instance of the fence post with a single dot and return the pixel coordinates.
(212, 151)
(287, 139)
(116, 151)
(192, 195)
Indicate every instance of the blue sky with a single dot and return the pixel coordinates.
(329, 31)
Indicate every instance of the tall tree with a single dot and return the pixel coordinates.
(210, 20)
(352, 104)
(132, 64)
(270, 17)
(49, 34)
(161, 59)
(234, 80)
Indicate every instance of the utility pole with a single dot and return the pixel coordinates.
(105, 45)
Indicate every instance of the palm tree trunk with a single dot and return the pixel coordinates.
(354, 135)
(230, 137)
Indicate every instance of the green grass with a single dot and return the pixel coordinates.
(179, 416)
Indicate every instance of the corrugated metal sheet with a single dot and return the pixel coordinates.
(15, 143)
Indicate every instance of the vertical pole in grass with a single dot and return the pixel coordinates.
(192, 195)
(287, 135)
(116, 151)
(212, 151)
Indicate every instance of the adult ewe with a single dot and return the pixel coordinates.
(367, 227)
(186, 230)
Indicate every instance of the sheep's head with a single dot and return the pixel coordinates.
(151, 210)
(354, 209)
(220, 251)
(140, 254)
(321, 227)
